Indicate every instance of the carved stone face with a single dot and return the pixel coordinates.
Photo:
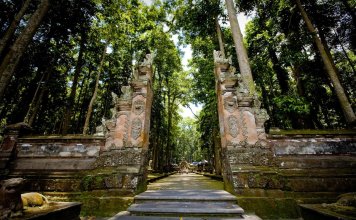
(139, 107)
(230, 104)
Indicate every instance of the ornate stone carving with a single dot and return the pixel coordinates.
(219, 58)
(148, 60)
(101, 129)
(242, 87)
(243, 95)
(233, 126)
(230, 103)
(261, 116)
(126, 93)
(139, 107)
(136, 128)
(10, 198)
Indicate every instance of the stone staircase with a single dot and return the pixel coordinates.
(184, 204)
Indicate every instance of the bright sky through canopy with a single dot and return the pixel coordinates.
(186, 112)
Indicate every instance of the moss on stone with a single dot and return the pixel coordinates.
(313, 132)
(270, 208)
(100, 203)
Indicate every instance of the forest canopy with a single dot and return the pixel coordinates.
(62, 60)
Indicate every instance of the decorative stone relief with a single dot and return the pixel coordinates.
(139, 107)
(233, 126)
(126, 93)
(242, 88)
(219, 58)
(136, 128)
(50, 148)
(148, 60)
(230, 103)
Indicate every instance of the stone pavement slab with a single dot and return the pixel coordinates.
(192, 195)
(189, 181)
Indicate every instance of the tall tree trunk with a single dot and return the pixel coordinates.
(328, 63)
(35, 98)
(241, 52)
(352, 11)
(12, 58)
(81, 105)
(12, 28)
(220, 37)
(38, 101)
(345, 53)
(71, 100)
(93, 98)
(282, 74)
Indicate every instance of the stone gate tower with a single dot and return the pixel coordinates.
(241, 119)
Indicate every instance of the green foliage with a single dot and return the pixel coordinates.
(292, 105)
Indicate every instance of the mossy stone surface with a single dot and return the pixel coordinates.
(270, 208)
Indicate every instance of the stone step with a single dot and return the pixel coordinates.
(186, 208)
(244, 217)
(185, 195)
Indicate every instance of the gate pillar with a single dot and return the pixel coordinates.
(127, 132)
(241, 120)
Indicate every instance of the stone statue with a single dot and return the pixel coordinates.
(126, 93)
(101, 130)
(219, 58)
(242, 88)
(33, 199)
(148, 60)
(10, 197)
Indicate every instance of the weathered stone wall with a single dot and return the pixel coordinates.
(304, 170)
(271, 175)
(103, 171)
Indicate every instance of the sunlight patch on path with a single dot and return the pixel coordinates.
(189, 181)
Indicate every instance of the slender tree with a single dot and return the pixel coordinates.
(12, 58)
(330, 67)
(241, 52)
(95, 93)
(71, 99)
(12, 28)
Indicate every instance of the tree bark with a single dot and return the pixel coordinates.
(93, 98)
(220, 38)
(12, 28)
(71, 100)
(34, 100)
(37, 103)
(241, 52)
(12, 58)
(328, 63)
(282, 74)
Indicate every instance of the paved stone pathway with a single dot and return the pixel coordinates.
(189, 181)
(185, 196)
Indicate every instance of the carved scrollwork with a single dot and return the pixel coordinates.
(233, 126)
(136, 128)
(139, 107)
(230, 104)
(219, 58)
(126, 93)
(148, 60)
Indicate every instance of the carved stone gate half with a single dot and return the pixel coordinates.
(127, 132)
(243, 137)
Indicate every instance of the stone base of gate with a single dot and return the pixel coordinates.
(300, 169)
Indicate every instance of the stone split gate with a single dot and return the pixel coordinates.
(268, 173)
